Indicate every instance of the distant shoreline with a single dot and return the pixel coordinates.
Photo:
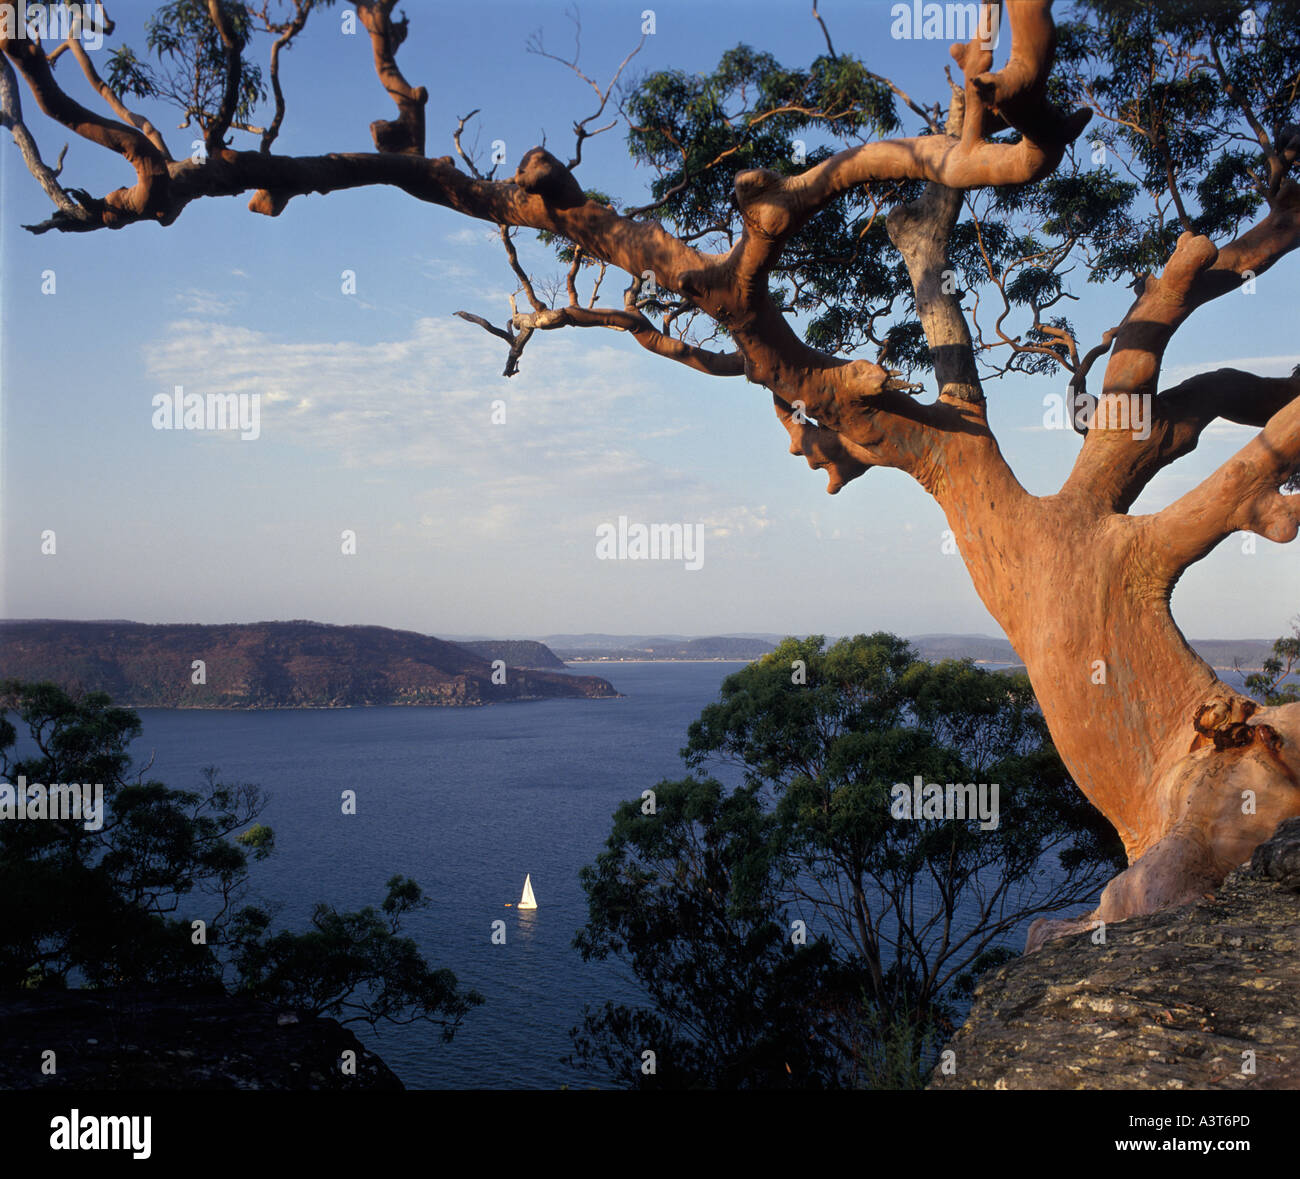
(976, 662)
(666, 659)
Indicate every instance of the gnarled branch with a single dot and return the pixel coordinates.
(775, 207)
(1115, 465)
(1242, 495)
(147, 198)
(405, 134)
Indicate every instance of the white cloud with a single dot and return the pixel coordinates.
(422, 405)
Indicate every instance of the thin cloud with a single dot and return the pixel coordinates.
(423, 404)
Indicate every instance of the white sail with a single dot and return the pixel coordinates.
(528, 901)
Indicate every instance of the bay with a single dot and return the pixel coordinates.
(467, 802)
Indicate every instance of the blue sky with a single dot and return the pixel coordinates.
(376, 406)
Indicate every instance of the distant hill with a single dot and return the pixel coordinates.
(515, 652)
(269, 665)
(667, 648)
(978, 647)
(1223, 654)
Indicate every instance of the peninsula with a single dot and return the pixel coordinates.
(271, 665)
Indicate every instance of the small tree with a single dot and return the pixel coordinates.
(1270, 684)
(895, 912)
(687, 894)
(351, 965)
(110, 903)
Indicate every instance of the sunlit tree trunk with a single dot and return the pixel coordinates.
(1192, 774)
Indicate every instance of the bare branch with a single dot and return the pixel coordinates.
(717, 364)
(817, 16)
(580, 130)
(461, 121)
(524, 281)
(124, 205)
(287, 32)
(11, 116)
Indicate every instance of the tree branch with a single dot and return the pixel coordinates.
(580, 131)
(146, 197)
(774, 207)
(920, 232)
(288, 31)
(106, 92)
(1242, 495)
(405, 135)
(215, 139)
(717, 364)
(1114, 465)
(11, 117)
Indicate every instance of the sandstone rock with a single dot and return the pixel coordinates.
(1172, 1000)
(1279, 858)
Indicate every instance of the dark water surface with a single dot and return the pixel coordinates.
(465, 801)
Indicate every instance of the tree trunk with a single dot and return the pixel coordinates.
(1192, 774)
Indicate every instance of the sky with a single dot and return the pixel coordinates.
(377, 404)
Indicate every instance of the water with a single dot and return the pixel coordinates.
(465, 801)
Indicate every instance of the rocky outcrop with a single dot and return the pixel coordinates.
(269, 665)
(165, 1039)
(1206, 996)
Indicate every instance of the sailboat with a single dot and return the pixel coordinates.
(528, 901)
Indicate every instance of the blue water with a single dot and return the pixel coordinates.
(465, 801)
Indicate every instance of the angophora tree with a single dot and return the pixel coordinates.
(789, 252)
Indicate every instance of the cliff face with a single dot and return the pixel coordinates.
(1189, 998)
(163, 1039)
(268, 665)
